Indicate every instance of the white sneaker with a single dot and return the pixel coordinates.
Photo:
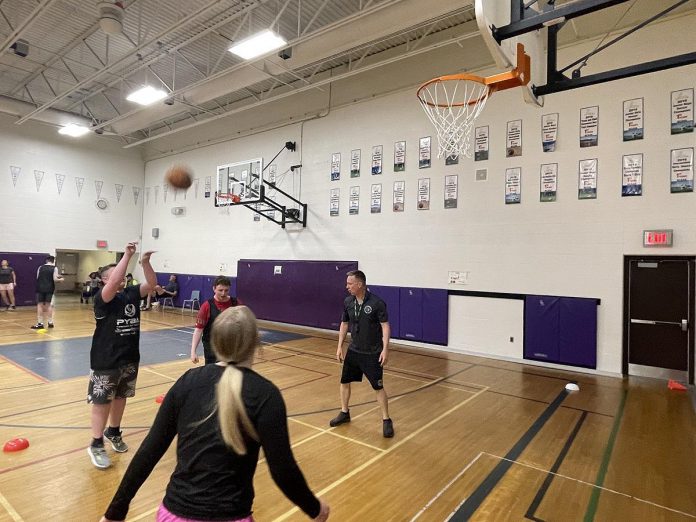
(99, 457)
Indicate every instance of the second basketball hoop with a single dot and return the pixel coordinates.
(453, 102)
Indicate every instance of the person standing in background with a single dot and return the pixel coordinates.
(8, 282)
(46, 277)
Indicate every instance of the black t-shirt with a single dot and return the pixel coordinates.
(116, 340)
(365, 322)
(210, 481)
(6, 275)
(44, 279)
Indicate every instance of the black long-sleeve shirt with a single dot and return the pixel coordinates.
(210, 481)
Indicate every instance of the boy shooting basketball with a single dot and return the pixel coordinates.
(115, 352)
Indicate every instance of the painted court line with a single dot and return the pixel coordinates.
(26, 370)
(602, 488)
(147, 368)
(10, 510)
(447, 486)
(334, 434)
(379, 456)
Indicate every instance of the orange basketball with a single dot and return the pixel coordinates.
(179, 176)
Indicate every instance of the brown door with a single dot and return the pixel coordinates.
(659, 312)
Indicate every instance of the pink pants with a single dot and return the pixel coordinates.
(164, 515)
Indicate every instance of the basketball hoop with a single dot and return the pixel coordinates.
(453, 102)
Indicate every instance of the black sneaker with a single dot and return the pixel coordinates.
(50, 325)
(387, 428)
(341, 418)
(37, 326)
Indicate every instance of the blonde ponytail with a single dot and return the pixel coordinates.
(234, 339)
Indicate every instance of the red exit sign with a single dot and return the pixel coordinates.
(657, 238)
(102, 243)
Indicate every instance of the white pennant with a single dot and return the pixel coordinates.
(136, 193)
(156, 193)
(60, 178)
(165, 189)
(119, 191)
(98, 187)
(79, 182)
(14, 172)
(38, 177)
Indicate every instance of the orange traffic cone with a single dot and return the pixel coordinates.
(674, 385)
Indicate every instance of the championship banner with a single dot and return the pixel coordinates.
(136, 195)
(587, 179)
(119, 191)
(451, 191)
(334, 200)
(38, 178)
(354, 201)
(682, 170)
(481, 143)
(98, 187)
(60, 179)
(208, 185)
(79, 183)
(548, 182)
(14, 172)
(424, 194)
(355, 163)
(399, 156)
(633, 126)
(335, 166)
(549, 132)
(589, 126)
(513, 141)
(682, 111)
(632, 175)
(376, 199)
(272, 173)
(399, 195)
(156, 194)
(377, 154)
(424, 146)
(513, 185)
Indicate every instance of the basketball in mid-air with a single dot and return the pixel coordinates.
(179, 176)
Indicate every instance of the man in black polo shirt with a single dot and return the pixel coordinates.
(366, 314)
(115, 352)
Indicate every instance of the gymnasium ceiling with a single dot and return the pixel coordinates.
(76, 71)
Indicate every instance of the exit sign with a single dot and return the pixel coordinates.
(101, 243)
(657, 238)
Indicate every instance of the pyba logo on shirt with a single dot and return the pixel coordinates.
(368, 309)
(130, 310)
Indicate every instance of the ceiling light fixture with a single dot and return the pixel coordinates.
(147, 95)
(258, 44)
(74, 130)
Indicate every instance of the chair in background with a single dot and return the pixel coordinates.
(164, 301)
(194, 300)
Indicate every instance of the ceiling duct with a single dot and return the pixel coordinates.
(111, 17)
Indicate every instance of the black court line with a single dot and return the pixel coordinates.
(544, 402)
(474, 501)
(531, 511)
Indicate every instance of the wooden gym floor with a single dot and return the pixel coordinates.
(483, 439)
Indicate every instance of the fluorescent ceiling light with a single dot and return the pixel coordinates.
(258, 44)
(73, 130)
(146, 95)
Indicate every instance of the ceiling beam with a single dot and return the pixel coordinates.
(17, 32)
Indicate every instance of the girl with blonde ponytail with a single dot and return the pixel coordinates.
(223, 414)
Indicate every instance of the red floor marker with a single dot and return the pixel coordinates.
(159, 398)
(17, 444)
(674, 385)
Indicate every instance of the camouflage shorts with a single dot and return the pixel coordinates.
(107, 385)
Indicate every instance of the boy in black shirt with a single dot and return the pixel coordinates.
(115, 352)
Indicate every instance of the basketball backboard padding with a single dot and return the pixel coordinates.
(496, 13)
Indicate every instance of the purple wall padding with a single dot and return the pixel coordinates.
(390, 295)
(541, 327)
(25, 266)
(435, 316)
(411, 314)
(190, 282)
(309, 293)
(187, 283)
(578, 332)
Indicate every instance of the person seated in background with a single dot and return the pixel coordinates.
(171, 289)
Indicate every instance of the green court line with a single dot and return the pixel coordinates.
(601, 474)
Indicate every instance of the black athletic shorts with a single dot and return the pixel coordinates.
(44, 297)
(357, 364)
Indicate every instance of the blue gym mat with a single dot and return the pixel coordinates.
(67, 358)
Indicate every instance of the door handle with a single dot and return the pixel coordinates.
(685, 325)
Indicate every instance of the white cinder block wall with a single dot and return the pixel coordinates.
(43, 220)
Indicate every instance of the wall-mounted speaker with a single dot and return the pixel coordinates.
(155, 233)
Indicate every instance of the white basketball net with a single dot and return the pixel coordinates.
(453, 106)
